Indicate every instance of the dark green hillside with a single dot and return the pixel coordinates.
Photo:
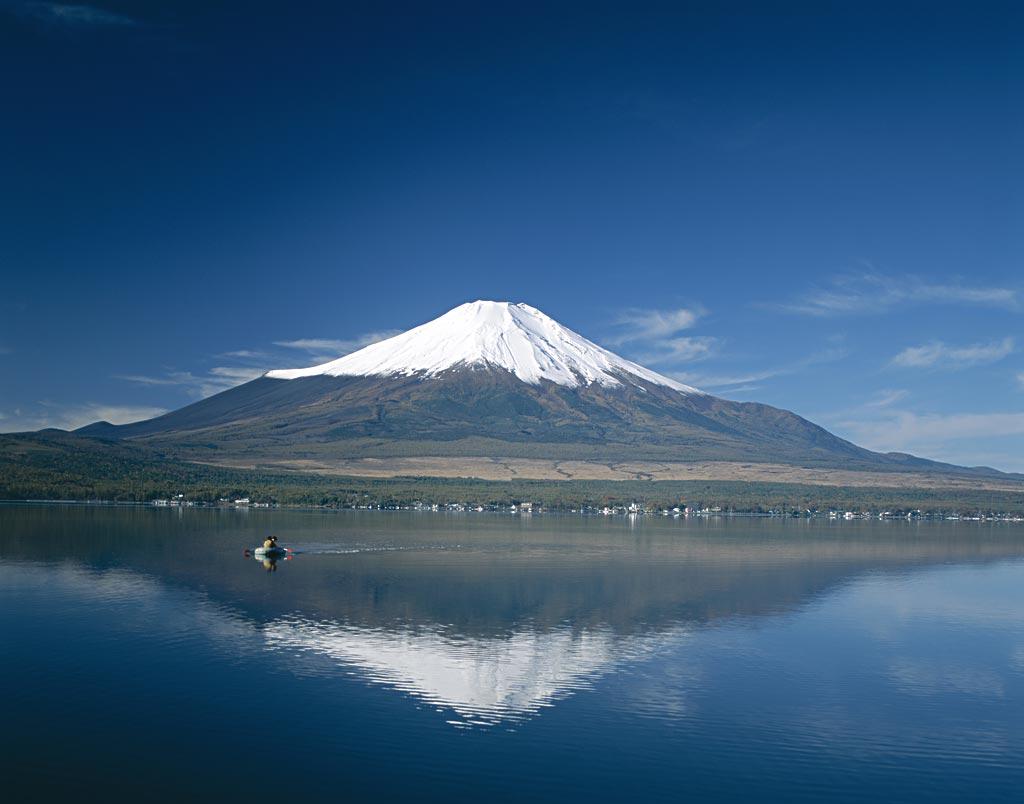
(57, 465)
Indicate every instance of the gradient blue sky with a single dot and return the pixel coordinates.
(817, 205)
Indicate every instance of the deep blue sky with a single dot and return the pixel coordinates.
(834, 191)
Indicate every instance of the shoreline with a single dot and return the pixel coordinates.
(582, 511)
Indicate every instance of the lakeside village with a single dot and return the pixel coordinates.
(633, 509)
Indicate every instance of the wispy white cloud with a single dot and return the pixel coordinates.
(172, 378)
(328, 347)
(886, 397)
(940, 355)
(315, 344)
(246, 354)
(235, 374)
(1020, 380)
(201, 384)
(71, 417)
(876, 293)
(648, 325)
(74, 15)
(680, 350)
(746, 381)
(654, 339)
(963, 438)
(904, 429)
(6, 350)
(217, 379)
(991, 439)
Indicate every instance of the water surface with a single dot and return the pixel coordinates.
(466, 657)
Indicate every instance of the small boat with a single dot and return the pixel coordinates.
(270, 552)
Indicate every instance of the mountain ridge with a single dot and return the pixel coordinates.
(493, 379)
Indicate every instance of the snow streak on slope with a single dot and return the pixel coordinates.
(514, 337)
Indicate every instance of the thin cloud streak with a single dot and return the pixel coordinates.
(314, 344)
(866, 293)
(938, 354)
(222, 378)
(328, 348)
(246, 354)
(74, 15)
(731, 383)
(175, 378)
(887, 397)
(219, 378)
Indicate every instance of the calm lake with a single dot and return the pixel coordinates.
(488, 657)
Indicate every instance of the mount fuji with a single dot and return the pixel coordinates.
(490, 380)
(515, 338)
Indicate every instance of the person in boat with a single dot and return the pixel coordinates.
(270, 543)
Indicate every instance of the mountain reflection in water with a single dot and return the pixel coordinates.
(490, 619)
(433, 657)
(484, 681)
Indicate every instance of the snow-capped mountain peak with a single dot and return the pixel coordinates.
(515, 337)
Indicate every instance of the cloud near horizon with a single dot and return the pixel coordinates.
(71, 417)
(939, 355)
(927, 435)
(961, 438)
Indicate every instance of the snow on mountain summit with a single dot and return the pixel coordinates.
(515, 337)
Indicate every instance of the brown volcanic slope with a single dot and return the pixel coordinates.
(458, 423)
